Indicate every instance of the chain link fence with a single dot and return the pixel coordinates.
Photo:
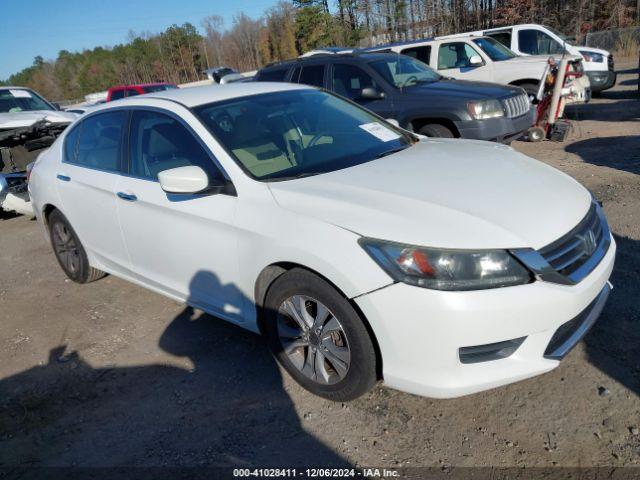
(622, 42)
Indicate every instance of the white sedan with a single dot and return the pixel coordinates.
(362, 252)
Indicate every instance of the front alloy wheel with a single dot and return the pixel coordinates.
(313, 339)
(318, 337)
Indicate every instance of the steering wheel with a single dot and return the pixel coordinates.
(408, 80)
(315, 139)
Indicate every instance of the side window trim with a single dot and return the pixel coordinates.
(71, 130)
(214, 161)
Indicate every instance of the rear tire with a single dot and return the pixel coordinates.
(318, 337)
(69, 252)
(436, 130)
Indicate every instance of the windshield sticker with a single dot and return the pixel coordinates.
(20, 93)
(380, 131)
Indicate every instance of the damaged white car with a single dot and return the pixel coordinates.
(28, 125)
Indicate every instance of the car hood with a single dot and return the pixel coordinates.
(463, 88)
(444, 193)
(28, 118)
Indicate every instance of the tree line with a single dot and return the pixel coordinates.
(181, 53)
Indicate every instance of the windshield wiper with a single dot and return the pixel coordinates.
(292, 177)
(391, 152)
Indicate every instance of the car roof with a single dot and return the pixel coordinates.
(195, 96)
(355, 55)
(152, 84)
(398, 44)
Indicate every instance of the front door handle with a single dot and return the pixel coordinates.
(129, 197)
(63, 178)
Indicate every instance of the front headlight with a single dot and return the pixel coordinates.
(447, 269)
(482, 109)
(592, 57)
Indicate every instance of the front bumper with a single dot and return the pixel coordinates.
(601, 79)
(420, 331)
(502, 129)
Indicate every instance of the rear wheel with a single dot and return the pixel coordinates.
(317, 336)
(436, 130)
(69, 252)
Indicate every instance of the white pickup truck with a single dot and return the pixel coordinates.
(534, 39)
(485, 59)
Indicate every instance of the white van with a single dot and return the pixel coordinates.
(533, 39)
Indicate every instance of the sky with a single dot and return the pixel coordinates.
(44, 27)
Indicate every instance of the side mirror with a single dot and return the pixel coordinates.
(370, 93)
(187, 180)
(56, 105)
(475, 60)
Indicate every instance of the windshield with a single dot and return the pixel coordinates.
(297, 133)
(158, 88)
(403, 71)
(496, 51)
(15, 100)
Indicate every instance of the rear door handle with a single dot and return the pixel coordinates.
(129, 197)
(63, 178)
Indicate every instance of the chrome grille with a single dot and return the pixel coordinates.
(578, 252)
(516, 105)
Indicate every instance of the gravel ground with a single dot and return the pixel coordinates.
(110, 374)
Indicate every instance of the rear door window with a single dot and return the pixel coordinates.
(422, 53)
(312, 75)
(275, 75)
(99, 141)
(117, 94)
(503, 37)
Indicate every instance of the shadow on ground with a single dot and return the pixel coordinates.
(627, 108)
(230, 410)
(612, 344)
(622, 153)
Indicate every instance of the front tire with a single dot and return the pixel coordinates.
(532, 91)
(436, 130)
(69, 252)
(318, 337)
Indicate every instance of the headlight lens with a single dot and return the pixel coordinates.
(447, 269)
(592, 57)
(481, 109)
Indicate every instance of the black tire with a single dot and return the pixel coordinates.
(361, 374)
(78, 268)
(532, 91)
(536, 134)
(436, 130)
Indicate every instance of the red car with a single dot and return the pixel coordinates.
(123, 91)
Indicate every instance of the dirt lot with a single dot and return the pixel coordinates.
(110, 374)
